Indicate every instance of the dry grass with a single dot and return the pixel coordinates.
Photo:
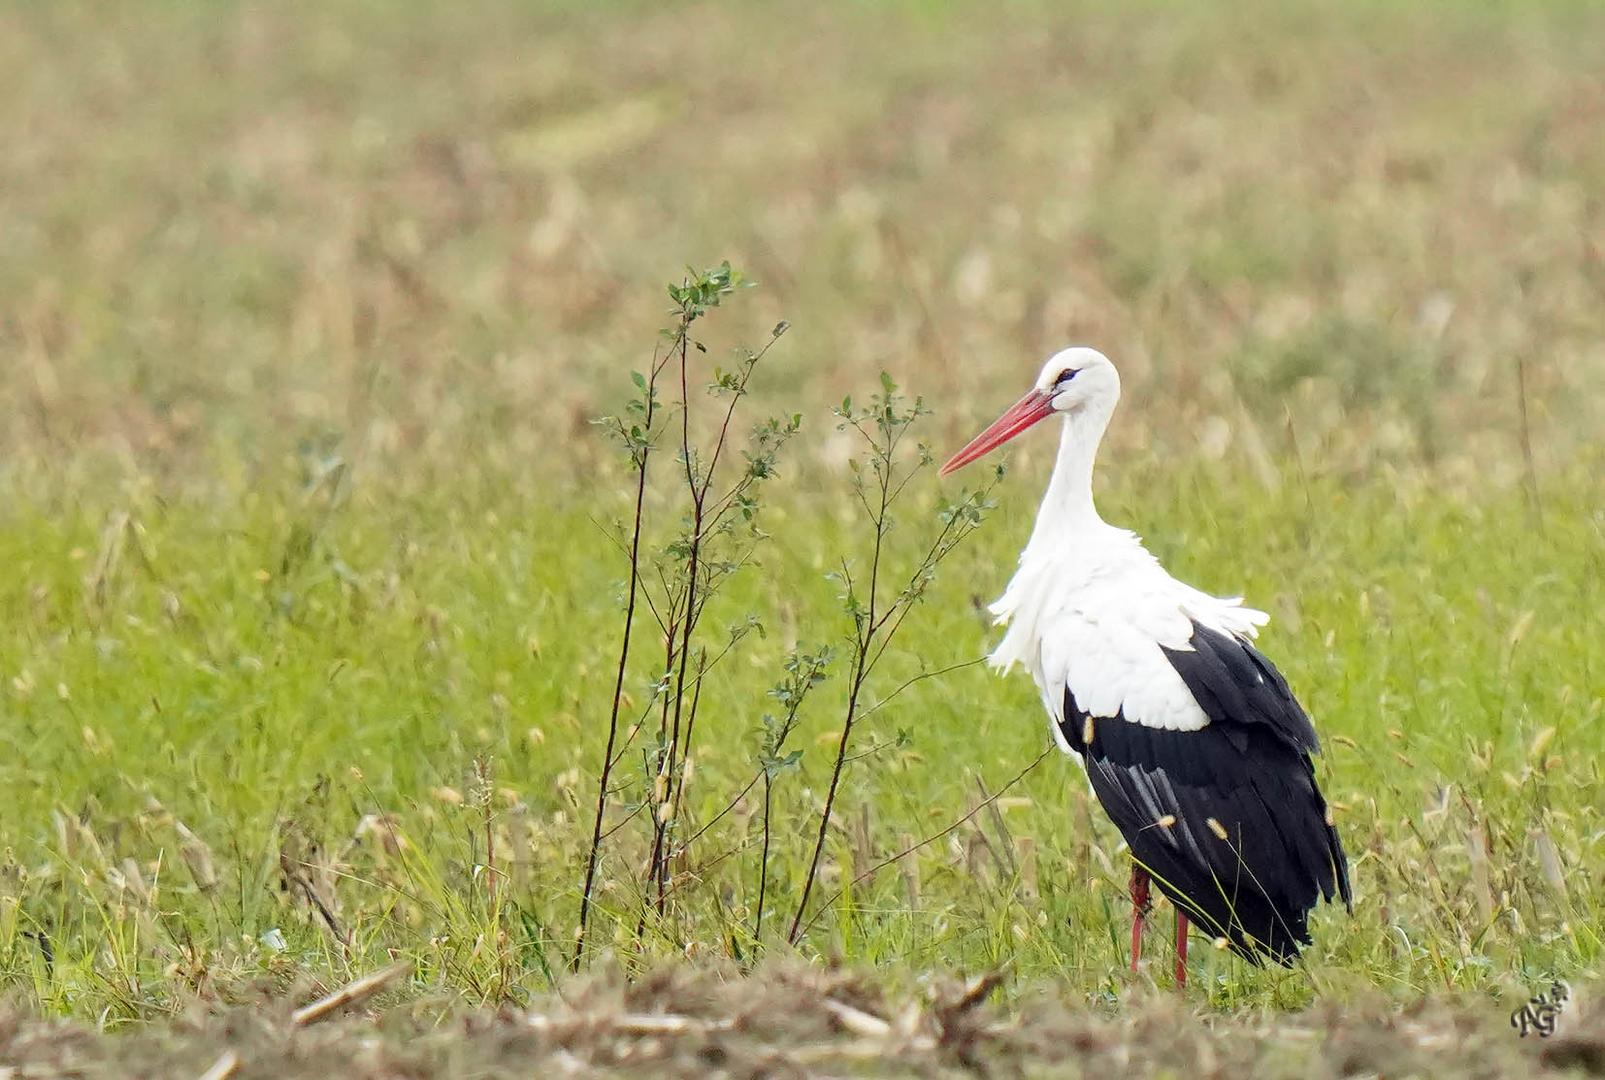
(790, 1021)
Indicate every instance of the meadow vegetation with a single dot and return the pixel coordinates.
(316, 557)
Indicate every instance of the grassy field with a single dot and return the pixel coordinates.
(310, 607)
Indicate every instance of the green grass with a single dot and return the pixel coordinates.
(168, 668)
(306, 583)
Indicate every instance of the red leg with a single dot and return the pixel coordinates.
(1139, 910)
(1181, 949)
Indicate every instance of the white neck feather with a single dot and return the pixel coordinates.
(1066, 539)
(1067, 513)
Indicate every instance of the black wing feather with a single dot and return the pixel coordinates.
(1247, 774)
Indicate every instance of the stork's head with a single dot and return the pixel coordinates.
(1075, 382)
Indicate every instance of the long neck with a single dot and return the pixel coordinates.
(1067, 510)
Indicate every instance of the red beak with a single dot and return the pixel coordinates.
(1031, 409)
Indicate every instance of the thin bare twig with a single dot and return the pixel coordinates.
(227, 1064)
(291, 869)
(691, 723)
(605, 774)
(921, 677)
(856, 1020)
(352, 993)
(660, 821)
(635, 1024)
(863, 636)
(1529, 467)
(763, 857)
(910, 849)
(875, 626)
(729, 806)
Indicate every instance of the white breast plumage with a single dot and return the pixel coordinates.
(1096, 621)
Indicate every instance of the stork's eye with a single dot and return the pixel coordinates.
(1065, 376)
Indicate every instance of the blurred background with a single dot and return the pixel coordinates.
(1354, 233)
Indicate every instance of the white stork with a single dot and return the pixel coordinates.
(1192, 741)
